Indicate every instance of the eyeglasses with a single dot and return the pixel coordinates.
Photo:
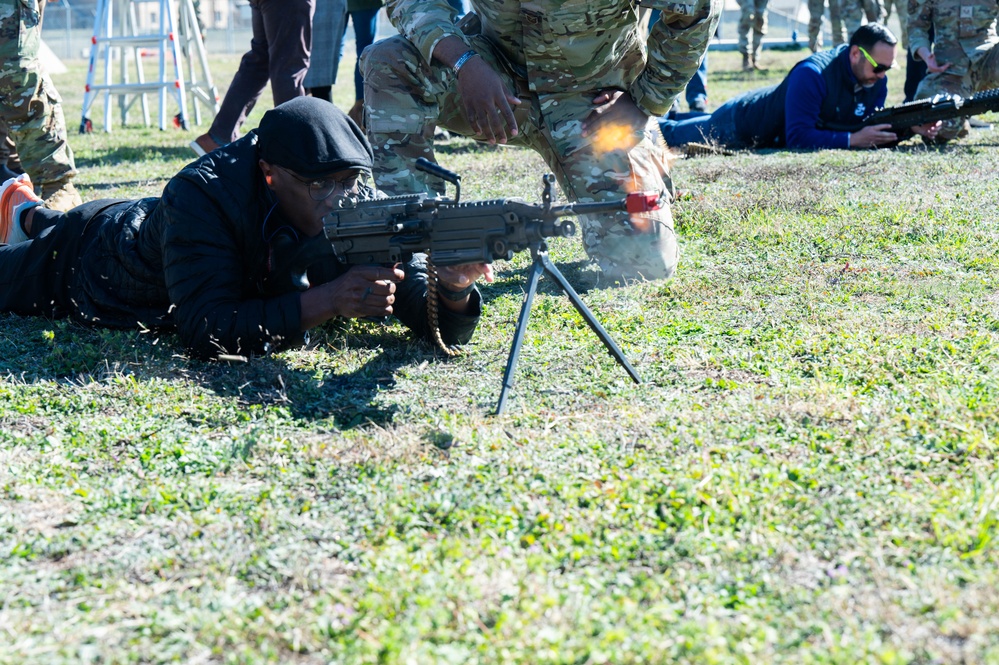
(323, 188)
(878, 67)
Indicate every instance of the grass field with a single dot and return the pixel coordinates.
(806, 475)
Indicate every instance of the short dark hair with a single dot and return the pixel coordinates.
(869, 34)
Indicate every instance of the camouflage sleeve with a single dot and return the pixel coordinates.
(677, 43)
(423, 22)
(919, 25)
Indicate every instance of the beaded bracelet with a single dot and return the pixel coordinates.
(462, 59)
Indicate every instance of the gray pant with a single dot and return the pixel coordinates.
(279, 51)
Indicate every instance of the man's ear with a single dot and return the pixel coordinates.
(268, 172)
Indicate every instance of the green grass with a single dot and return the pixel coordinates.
(806, 475)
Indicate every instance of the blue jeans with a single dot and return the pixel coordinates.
(696, 92)
(365, 24)
(717, 127)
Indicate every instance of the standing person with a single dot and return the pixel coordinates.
(364, 18)
(853, 13)
(837, 87)
(202, 257)
(279, 52)
(574, 83)
(328, 26)
(30, 105)
(816, 8)
(901, 9)
(752, 19)
(962, 57)
(915, 70)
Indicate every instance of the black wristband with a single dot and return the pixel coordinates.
(445, 292)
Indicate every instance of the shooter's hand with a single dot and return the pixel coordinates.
(456, 278)
(929, 130)
(872, 136)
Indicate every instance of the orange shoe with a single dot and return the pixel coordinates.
(13, 194)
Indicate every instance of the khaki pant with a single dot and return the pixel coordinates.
(30, 106)
(752, 19)
(982, 74)
(406, 99)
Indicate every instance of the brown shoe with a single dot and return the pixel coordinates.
(747, 63)
(203, 145)
(61, 195)
(356, 113)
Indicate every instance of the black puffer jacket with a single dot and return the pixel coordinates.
(198, 258)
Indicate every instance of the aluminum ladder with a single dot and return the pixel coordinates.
(172, 36)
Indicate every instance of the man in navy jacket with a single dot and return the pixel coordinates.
(837, 87)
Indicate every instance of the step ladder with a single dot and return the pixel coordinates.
(173, 40)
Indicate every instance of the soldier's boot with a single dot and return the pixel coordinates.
(61, 195)
(17, 195)
(747, 63)
(756, 60)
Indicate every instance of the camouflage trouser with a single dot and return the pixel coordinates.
(901, 8)
(853, 13)
(29, 103)
(8, 151)
(982, 74)
(752, 18)
(405, 99)
(815, 10)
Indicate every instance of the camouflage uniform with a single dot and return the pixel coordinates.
(901, 8)
(752, 18)
(853, 13)
(815, 10)
(29, 103)
(965, 37)
(555, 59)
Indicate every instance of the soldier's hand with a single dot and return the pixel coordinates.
(614, 108)
(488, 104)
(930, 58)
(872, 136)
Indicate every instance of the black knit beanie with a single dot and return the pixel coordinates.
(313, 138)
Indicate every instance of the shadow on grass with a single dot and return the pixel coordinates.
(41, 350)
(583, 276)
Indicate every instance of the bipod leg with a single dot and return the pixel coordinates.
(518, 337)
(588, 316)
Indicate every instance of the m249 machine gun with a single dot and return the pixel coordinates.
(922, 111)
(390, 230)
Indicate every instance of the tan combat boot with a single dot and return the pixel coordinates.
(61, 195)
